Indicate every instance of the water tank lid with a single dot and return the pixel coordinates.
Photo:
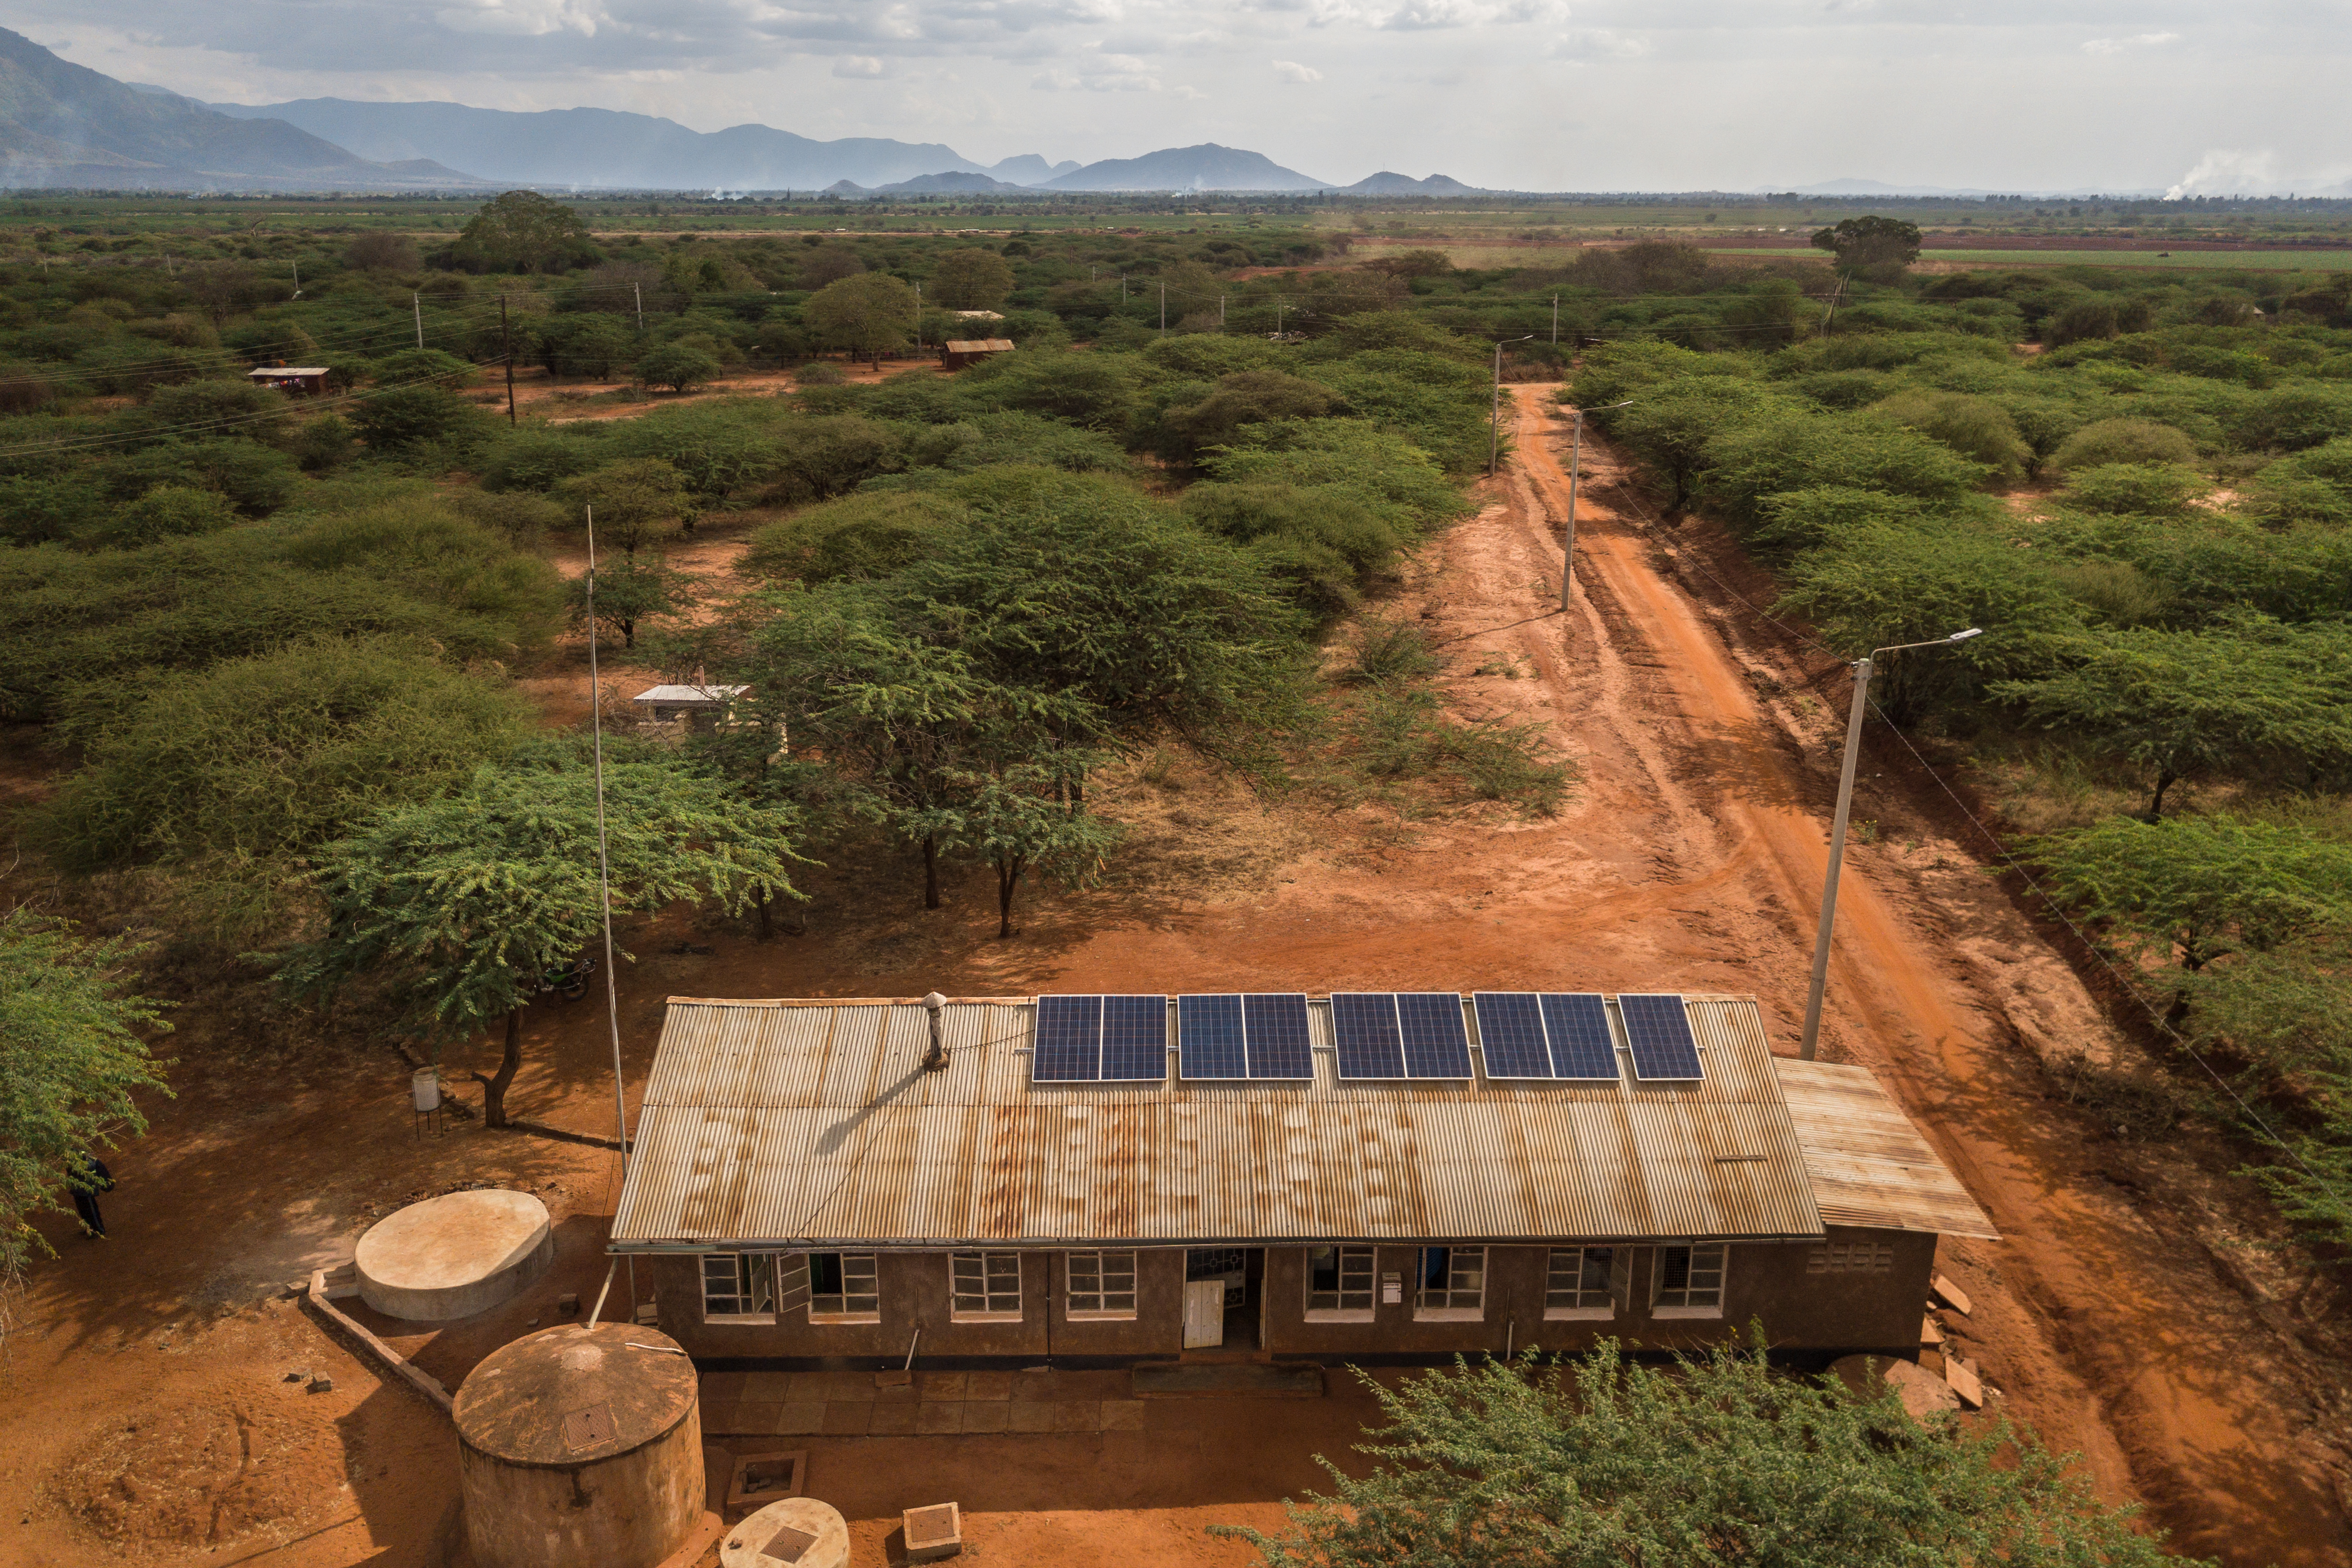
(572, 1395)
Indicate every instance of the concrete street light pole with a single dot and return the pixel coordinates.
(1575, 471)
(1862, 673)
(1494, 421)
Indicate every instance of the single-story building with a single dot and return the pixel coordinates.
(958, 353)
(980, 315)
(695, 703)
(302, 381)
(1358, 1178)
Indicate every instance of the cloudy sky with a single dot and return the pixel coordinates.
(1535, 94)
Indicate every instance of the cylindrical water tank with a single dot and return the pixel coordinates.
(425, 1089)
(580, 1446)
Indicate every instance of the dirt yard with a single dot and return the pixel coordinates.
(2133, 1312)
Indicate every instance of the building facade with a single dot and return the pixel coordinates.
(805, 1193)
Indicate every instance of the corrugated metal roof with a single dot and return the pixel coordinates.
(790, 1122)
(1868, 1163)
(979, 345)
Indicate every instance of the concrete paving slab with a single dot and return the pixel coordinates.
(987, 1414)
(893, 1418)
(1248, 1379)
(1122, 1414)
(766, 1387)
(834, 1387)
(847, 1417)
(799, 1419)
(990, 1385)
(943, 1385)
(724, 1387)
(1078, 1415)
(1032, 1416)
(939, 1418)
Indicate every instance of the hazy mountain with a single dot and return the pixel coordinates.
(64, 125)
(958, 183)
(1207, 167)
(1029, 169)
(607, 149)
(1388, 183)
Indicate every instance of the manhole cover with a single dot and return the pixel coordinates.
(587, 1429)
(786, 1545)
(932, 1525)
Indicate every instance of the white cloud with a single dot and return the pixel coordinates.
(521, 18)
(1291, 70)
(857, 66)
(1601, 44)
(2138, 42)
(1418, 15)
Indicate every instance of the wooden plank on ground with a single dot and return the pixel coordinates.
(1963, 1382)
(1931, 1333)
(1951, 1295)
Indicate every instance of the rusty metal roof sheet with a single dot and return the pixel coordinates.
(789, 1122)
(979, 345)
(1868, 1163)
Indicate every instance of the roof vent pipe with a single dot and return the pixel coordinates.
(936, 1060)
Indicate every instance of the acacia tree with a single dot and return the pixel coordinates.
(1871, 246)
(1718, 1460)
(471, 900)
(971, 280)
(632, 498)
(1024, 816)
(72, 1062)
(2246, 693)
(630, 591)
(864, 313)
(523, 231)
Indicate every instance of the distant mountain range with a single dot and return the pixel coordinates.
(64, 125)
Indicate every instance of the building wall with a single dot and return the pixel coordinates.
(1803, 1304)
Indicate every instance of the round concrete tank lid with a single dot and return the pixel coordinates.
(451, 1243)
(573, 1395)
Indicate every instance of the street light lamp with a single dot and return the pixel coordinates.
(1861, 672)
(1495, 421)
(1575, 468)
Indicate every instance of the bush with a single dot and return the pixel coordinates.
(382, 252)
(2111, 441)
(417, 366)
(256, 480)
(857, 537)
(2145, 489)
(409, 416)
(2293, 418)
(1797, 451)
(237, 407)
(681, 367)
(817, 373)
(163, 512)
(537, 460)
(260, 758)
(1973, 426)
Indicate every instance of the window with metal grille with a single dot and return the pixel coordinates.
(1578, 1282)
(739, 1286)
(1452, 1282)
(985, 1285)
(1102, 1285)
(1690, 1281)
(1338, 1284)
(843, 1287)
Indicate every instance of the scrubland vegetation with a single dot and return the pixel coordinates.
(2152, 520)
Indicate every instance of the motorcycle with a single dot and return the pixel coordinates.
(570, 982)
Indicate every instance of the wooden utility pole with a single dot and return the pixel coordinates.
(416, 303)
(506, 341)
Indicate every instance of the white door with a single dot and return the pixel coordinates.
(1204, 1314)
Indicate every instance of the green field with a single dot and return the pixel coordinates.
(2179, 260)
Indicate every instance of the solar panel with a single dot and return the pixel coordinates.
(1658, 1030)
(1435, 1044)
(1134, 1039)
(1511, 1033)
(1278, 1041)
(1209, 1037)
(1578, 1023)
(1069, 1040)
(1364, 1029)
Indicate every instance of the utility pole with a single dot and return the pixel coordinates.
(1555, 320)
(1278, 307)
(1163, 307)
(297, 280)
(1221, 312)
(638, 292)
(1494, 421)
(506, 341)
(417, 304)
(1861, 672)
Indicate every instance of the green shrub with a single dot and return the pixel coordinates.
(2109, 441)
(681, 367)
(163, 512)
(2292, 417)
(409, 417)
(856, 537)
(538, 460)
(256, 480)
(2147, 490)
(1975, 428)
(1801, 450)
(405, 367)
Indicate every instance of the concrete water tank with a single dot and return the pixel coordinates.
(454, 1256)
(578, 1446)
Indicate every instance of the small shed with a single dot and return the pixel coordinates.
(302, 381)
(958, 353)
(702, 704)
(982, 315)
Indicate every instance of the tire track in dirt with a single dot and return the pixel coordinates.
(2109, 1335)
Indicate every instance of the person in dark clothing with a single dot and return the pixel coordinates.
(92, 1179)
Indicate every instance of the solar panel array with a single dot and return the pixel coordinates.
(1261, 1035)
(1411, 1035)
(1658, 1032)
(1100, 1039)
(1392, 1034)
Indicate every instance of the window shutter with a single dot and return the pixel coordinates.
(1621, 1277)
(791, 1282)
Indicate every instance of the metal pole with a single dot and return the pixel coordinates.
(1555, 320)
(506, 341)
(1568, 546)
(1163, 307)
(1862, 670)
(417, 305)
(603, 858)
(1495, 419)
(638, 292)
